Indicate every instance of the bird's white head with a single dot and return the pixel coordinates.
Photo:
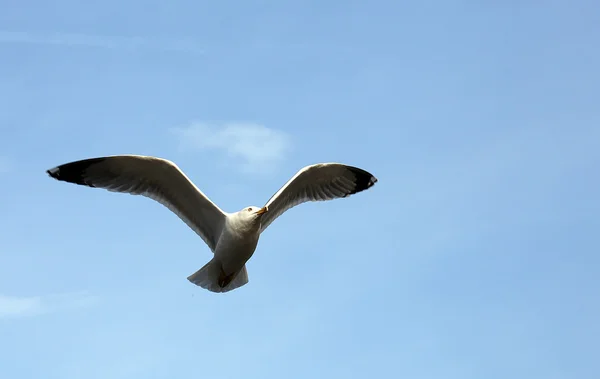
(252, 214)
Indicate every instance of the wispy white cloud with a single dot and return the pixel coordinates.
(253, 147)
(100, 41)
(24, 306)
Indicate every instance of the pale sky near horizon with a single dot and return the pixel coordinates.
(476, 255)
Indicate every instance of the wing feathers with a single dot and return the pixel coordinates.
(155, 178)
(319, 182)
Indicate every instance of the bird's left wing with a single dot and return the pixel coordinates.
(156, 178)
(318, 182)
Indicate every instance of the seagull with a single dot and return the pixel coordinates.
(232, 237)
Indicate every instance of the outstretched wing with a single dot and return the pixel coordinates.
(318, 182)
(156, 178)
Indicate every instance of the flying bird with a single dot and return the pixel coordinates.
(232, 237)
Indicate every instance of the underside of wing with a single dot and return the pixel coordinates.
(155, 178)
(319, 182)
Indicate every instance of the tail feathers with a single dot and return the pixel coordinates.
(211, 277)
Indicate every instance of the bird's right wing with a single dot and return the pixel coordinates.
(318, 182)
(156, 178)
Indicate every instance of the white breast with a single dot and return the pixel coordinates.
(236, 245)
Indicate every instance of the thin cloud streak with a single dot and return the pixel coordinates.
(254, 148)
(100, 41)
(26, 306)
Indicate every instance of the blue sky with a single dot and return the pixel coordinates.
(473, 257)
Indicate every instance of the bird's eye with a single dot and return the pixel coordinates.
(249, 209)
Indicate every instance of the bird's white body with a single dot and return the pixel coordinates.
(235, 246)
(232, 237)
(238, 242)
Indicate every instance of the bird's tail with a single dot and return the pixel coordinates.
(212, 278)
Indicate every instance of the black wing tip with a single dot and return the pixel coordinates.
(73, 172)
(364, 179)
(53, 172)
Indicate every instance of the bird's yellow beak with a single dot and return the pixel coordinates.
(262, 210)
